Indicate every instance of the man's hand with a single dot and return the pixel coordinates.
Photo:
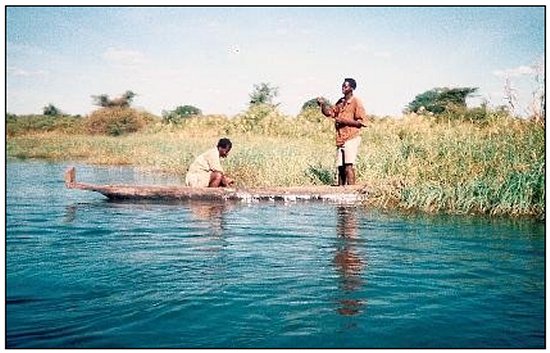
(229, 181)
(320, 100)
(325, 108)
(349, 122)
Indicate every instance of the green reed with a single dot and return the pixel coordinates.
(496, 167)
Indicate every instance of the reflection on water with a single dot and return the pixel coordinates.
(70, 213)
(211, 212)
(348, 263)
(260, 275)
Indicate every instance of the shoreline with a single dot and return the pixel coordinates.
(277, 194)
(494, 168)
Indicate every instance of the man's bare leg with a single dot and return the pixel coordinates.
(341, 176)
(216, 179)
(350, 174)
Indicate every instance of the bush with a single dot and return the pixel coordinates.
(319, 174)
(19, 125)
(258, 118)
(479, 115)
(312, 114)
(117, 121)
(177, 115)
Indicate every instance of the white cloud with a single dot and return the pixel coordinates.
(515, 72)
(122, 57)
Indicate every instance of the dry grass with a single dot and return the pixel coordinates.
(413, 162)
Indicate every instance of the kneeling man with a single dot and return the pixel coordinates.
(206, 170)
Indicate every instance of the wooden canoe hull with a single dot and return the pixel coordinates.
(347, 194)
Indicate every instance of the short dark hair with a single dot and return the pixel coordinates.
(352, 82)
(224, 143)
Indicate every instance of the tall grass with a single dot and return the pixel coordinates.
(494, 167)
(459, 167)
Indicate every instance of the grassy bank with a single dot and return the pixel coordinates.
(494, 167)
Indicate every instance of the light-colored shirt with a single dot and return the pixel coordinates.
(209, 161)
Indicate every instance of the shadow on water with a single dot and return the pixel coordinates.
(86, 272)
(211, 212)
(347, 261)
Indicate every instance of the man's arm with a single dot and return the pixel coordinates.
(325, 108)
(350, 122)
(213, 160)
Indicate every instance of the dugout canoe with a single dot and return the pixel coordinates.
(346, 194)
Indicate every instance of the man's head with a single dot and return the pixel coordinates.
(224, 146)
(349, 85)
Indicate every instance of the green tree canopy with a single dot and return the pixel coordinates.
(181, 112)
(101, 100)
(51, 110)
(439, 100)
(263, 93)
(123, 101)
(187, 110)
(312, 104)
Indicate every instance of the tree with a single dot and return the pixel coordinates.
(123, 101)
(312, 104)
(440, 100)
(181, 112)
(263, 93)
(102, 100)
(51, 110)
(187, 111)
(127, 98)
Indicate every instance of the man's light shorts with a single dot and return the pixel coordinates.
(197, 180)
(347, 154)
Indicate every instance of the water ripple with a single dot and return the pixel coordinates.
(82, 272)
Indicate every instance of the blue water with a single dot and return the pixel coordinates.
(85, 272)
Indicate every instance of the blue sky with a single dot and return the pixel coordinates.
(211, 57)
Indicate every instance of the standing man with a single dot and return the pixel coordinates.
(207, 171)
(349, 117)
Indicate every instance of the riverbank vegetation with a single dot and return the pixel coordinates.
(470, 161)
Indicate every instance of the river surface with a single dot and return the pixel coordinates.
(84, 272)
